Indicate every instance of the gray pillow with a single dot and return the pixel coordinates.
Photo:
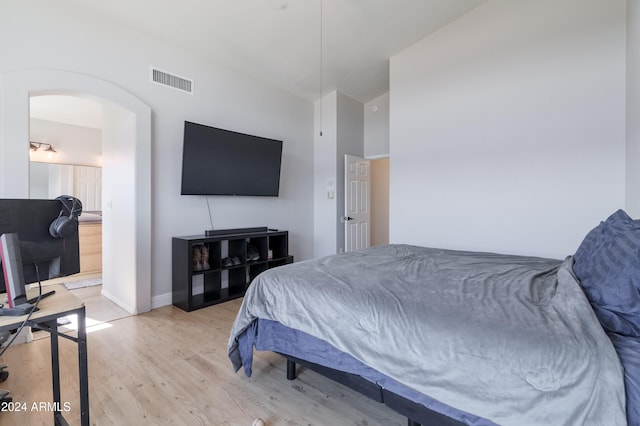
(607, 263)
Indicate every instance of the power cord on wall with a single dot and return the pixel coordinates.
(209, 209)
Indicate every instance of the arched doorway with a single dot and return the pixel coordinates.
(126, 157)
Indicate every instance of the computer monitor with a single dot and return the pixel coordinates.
(30, 220)
(12, 269)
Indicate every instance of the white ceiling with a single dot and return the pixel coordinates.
(67, 109)
(278, 41)
(275, 41)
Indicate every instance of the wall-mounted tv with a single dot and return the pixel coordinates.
(221, 162)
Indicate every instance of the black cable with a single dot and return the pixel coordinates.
(209, 209)
(33, 309)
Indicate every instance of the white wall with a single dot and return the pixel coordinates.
(74, 144)
(376, 127)
(39, 181)
(325, 175)
(14, 141)
(57, 36)
(119, 154)
(342, 125)
(633, 109)
(507, 128)
(350, 141)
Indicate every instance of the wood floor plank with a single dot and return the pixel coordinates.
(171, 367)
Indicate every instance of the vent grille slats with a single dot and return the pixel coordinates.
(173, 81)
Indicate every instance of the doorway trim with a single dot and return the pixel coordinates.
(15, 90)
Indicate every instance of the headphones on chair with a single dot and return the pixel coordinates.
(65, 226)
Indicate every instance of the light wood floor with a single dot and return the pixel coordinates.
(171, 367)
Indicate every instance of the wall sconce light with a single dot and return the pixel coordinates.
(35, 146)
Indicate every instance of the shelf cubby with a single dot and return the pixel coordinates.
(195, 286)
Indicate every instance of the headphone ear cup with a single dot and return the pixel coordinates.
(63, 227)
(53, 227)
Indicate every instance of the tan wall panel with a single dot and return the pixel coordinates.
(380, 201)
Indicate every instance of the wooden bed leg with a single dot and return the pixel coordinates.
(291, 370)
(412, 423)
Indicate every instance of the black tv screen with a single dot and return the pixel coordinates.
(221, 162)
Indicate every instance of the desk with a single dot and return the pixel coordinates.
(61, 304)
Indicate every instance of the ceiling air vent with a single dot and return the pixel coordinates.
(171, 80)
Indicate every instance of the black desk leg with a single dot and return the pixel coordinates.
(58, 419)
(83, 369)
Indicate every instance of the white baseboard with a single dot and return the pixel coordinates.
(161, 300)
(131, 309)
(156, 301)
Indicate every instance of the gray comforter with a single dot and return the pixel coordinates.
(508, 338)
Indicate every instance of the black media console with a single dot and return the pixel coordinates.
(215, 268)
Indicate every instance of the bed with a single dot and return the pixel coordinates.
(454, 337)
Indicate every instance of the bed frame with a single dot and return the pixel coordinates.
(416, 414)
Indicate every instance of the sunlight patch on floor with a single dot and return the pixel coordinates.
(92, 325)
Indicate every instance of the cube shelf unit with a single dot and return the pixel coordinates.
(194, 289)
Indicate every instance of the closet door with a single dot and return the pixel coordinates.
(88, 187)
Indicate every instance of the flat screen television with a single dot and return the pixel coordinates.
(30, 219)
(222, 162)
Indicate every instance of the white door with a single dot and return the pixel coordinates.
(357, 202)
(87, 184)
